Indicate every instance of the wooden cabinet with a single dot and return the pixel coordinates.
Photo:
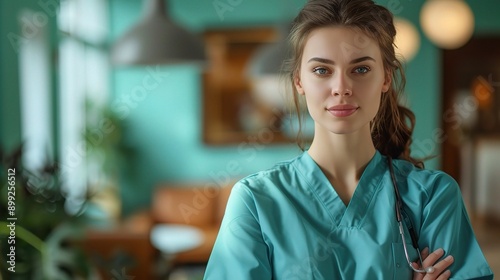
(120, 253)
(229, 110)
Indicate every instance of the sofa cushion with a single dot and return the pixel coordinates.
(188, 205)
(201, 253)
(222, 202)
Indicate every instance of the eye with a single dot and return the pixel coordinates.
(321, 71)
(361, 70)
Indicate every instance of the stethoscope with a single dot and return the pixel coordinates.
(400, 215)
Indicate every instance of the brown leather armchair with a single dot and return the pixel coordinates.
(197, 205)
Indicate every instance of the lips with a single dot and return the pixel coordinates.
(343, 110)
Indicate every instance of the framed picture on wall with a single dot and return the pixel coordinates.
(232, 113)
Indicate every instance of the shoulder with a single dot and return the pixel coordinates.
(258, 193)
(428, 182)
(265, 181)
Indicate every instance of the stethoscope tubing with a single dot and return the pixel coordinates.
(399, 216)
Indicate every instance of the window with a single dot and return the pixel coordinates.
(35, 96)
(83, 77)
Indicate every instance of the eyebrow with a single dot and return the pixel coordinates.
(328, 61)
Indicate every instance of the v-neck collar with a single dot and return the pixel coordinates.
(353, 214)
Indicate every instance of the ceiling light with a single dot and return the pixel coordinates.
(448, 23)
(155, 39)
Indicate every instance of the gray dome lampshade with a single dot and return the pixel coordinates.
(264, 69)
(157, 40)
(269, 58)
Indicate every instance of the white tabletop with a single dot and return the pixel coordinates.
(173, 239)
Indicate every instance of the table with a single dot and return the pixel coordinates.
(171, 239)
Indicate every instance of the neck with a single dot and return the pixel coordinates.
(342, 157)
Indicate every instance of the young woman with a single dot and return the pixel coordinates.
(331, 212)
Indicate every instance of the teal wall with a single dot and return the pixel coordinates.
(2, 101)
(12, 37)
(9, 83)
(165, 125)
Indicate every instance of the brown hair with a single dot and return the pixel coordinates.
(393, 125)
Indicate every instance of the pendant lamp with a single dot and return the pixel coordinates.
(407, 39)
(447, 23)
(156, 39)
(265, 69)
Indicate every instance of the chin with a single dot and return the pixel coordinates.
(343, 128)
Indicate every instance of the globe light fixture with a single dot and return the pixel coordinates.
(447, 23)
(407, 39)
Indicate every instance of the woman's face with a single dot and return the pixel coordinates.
(342, 77)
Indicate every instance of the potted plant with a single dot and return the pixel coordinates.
(35, 230)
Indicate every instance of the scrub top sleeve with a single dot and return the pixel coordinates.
(239, 251)
(445, 224)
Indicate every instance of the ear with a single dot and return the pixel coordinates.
(387, 81)
(298, 85)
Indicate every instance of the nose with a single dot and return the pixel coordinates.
(341, 85)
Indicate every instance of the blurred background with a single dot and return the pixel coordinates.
(124, 123)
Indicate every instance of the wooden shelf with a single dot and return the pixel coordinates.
(227, 91)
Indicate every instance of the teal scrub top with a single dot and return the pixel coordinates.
(289, 223)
